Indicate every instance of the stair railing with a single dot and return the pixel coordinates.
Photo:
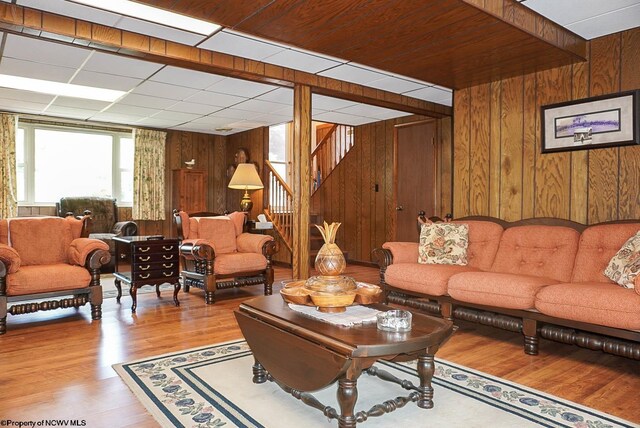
(329, 152)
(279, 205)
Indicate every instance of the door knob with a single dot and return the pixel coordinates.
(399, 208)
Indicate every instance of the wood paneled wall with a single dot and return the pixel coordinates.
(498, 167)
(348, 194)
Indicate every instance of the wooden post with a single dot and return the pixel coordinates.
(301, 179)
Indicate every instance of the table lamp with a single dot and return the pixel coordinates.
(246, 177)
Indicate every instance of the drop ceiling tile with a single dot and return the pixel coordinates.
(569, 11)
(238, 87)
(195, 108)
(131, 110)
(74, 10)
(342, 118)
(190, 127)
(327, 103)
(80, 103)
(121, 66)
(164, 90)
(272, 119)
(34, 70)
(44, 52)
(18, 95)
(116, 118)
(612, 22)
(147, 101)
(21, 106)
(159, 123)
(394, 84)
(374, 112)
(212, 121)
(239, 45)
(351, 73)
(248, 124)
(159, 31)
(75, 113)
(171, 115)
(106, 81)
(215, 99)
(431, 93)
(280, 95)
(295, 59)
(184, 77)
(260, 106)
(232, 113)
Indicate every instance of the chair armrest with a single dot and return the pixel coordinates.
(80, 248)
(125, 228)
(197, 249)
(403, 252)
(252, 242)
(10, 258)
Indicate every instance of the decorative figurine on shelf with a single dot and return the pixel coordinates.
(190, 163)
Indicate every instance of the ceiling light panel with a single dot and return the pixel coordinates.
(189, 78)
(57, 88)
(153, 14)
(351, 73)
(44, 52)
(292, 58)
(121, 66)
(238, 87)
(73, 10)
(103, 80)
(18, 67)
(246, 47)
(164, 90)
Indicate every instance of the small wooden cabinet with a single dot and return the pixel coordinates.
(189, 190)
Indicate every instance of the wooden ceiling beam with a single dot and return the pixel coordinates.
(51, 27)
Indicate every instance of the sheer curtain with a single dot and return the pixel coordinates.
(8, 186)
(148, 174)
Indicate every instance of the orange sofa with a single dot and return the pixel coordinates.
(539, 277)
(43, 257)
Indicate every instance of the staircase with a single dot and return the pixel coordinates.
(331, 149)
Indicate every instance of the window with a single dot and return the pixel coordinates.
(54, 161)
(279, 149)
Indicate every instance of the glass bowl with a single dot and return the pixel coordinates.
(395, 320)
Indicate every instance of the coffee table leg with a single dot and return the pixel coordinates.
(259, 373)
(347, 397)
(426, 368)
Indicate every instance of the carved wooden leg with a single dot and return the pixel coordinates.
(176, 289)
(426, 368)
(3, 306)
(446, 309)
(186, 287)
(531, 340)
(259, 373)
(347, 397)
(118, 285)
(96, 312)
(268, 285)
(158, 290)
(134, 297)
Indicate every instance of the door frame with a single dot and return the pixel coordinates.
(437, 167)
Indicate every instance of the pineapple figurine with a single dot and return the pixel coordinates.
(330, 260)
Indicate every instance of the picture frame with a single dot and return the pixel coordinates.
(591, 123)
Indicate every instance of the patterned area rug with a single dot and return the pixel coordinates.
(109, 290)
(212, 387)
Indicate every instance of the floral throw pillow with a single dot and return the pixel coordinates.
(443, 243)
(625, 265)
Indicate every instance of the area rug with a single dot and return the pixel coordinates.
(212, 387)
(109, 290)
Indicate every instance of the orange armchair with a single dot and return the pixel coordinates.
(216, 254)
(43, 257)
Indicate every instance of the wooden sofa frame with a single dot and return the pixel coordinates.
(531, 323)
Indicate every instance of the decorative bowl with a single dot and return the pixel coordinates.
(295, 295)
(394, 320)
(331, 284)
(328, 301)
(367, 294)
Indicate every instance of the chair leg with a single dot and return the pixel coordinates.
(3, 325)
(209, 297)
(531, 340)
(96, 312)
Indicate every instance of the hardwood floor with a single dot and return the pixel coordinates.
(57, 365)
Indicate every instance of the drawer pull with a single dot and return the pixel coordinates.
(168, 274)
(167, 266)
(144, 276)
(144, 259)
(167, 257)
(169, 248)
(144, 250)
(145, 267)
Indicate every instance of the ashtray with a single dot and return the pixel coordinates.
(394, 320)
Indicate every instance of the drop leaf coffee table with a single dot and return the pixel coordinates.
(302, 354)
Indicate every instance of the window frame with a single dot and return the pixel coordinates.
(30, 128)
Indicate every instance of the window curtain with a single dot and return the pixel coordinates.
(148, 174)
(8, 186)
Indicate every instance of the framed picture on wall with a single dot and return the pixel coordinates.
(591, 123)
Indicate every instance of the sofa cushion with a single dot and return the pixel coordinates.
(503, 290)
(238, 262)
(598, 244)
(238, 218)
(47, 278)
(423, 278)
(443, 243)
(40, 240)
(220, 231)
(484, 239)
(544, 251)
(625, 265)
(592, 302)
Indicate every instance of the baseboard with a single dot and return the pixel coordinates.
(362, 263)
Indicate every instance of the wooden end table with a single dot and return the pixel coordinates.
(286, 344)
(146, 260)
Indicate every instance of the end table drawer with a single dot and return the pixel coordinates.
(151, 247)
(164, 265)
(156, 274)
(155, 258)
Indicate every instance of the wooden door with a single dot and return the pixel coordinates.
(415, 176)
(190, 190)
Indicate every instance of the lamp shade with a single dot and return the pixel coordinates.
(246, 178)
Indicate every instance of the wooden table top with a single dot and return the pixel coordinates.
(363, 340)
